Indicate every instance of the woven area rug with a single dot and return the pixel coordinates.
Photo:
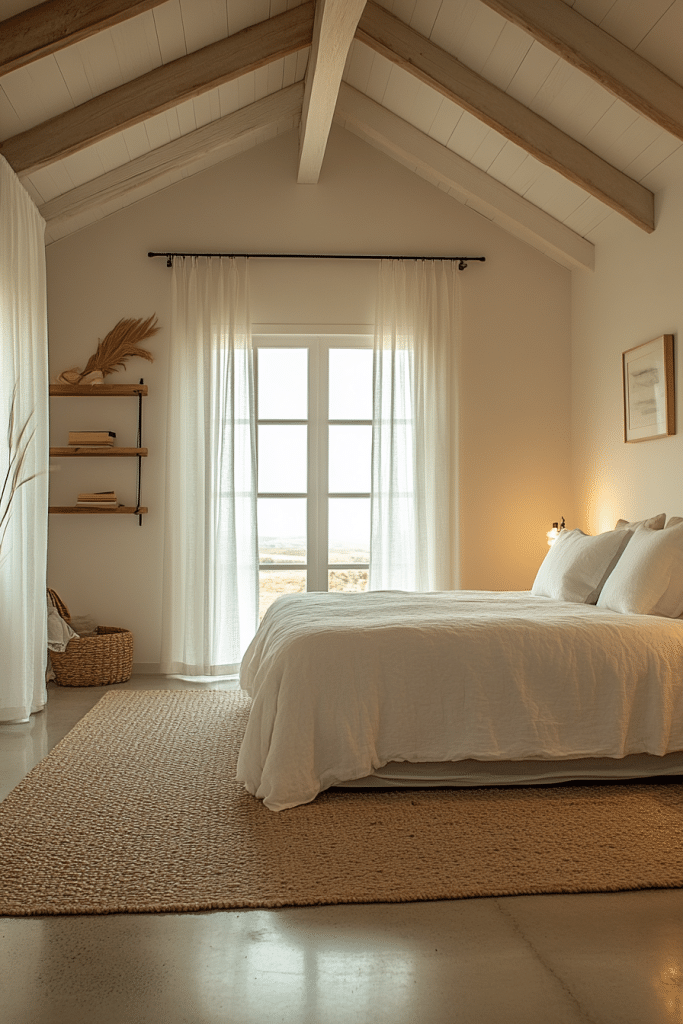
(137, 810)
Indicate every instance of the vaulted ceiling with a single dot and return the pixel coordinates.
(546, 116)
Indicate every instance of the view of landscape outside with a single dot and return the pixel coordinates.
(283, 459)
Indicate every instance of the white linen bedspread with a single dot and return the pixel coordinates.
(343, 683)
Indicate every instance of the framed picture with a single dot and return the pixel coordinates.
(649, 408)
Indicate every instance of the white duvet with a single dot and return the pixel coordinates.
(343, 683)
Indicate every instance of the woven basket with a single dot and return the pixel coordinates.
(93, 660)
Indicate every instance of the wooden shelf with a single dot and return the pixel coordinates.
(78, 510)
(109, 453)
(85, 451)
(97, 390)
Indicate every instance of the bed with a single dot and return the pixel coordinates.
(469, 687)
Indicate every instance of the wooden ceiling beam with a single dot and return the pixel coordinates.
(589, 48)
(430, 64)
(227, 135)
(333, 30)
(50, 26)
(160, 89)
(406, 144)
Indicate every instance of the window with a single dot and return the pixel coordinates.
(314, 445)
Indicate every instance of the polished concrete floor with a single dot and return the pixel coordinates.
(595, 959)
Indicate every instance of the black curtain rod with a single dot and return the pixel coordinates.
(462, 260)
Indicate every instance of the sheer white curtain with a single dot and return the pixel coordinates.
(210, 604)
(414, 450)
(23, 452)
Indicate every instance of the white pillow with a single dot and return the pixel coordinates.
(648, 579)
(655, 523)
(577, 565)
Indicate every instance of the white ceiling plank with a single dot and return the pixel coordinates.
(246, 88)
(594, 10)
(423, 15)
(588, 216)
(113, 152)
(452, 24)
(507, 162)
(136, 140)
(595, 52)
(506, 115)
(358, 66)
(10, 122)
(468, 136)
(275, 76)
(507, 55)
(407, 145)
(488, 150)
(476, 45)
(183, 152)
(158, 131)
(334, 28)
(137, 46)
(289, 70)
(204, 21)
(656, 46)
(207, 107)
(532, 73)
(228, 96)
(445, 120)
(629, 21)
(413, 101)
(187, 121)
(160, 89)
(72, 68)
(242, 13)
(652, 156)
(379, 77)
(56, 24)
(261, 83)
(100, 63)
(84, 166)
(572, 101)
(168, 21)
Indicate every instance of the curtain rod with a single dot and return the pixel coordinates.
(462, 260)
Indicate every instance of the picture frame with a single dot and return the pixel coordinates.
(649, 399)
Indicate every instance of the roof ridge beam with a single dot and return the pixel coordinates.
(334, 28)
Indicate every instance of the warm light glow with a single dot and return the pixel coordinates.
(553, 534)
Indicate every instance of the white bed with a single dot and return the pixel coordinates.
(504, 687)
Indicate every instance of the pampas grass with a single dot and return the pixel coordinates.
(120, 344)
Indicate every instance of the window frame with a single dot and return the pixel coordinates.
(318, 342)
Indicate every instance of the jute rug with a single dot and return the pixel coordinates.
(137, 810)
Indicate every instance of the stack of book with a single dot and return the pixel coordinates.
(92, 439)
(98, 499)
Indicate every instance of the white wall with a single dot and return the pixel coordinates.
(634, 295)
(515, 361)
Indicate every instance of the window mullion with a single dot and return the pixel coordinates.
(317, 511)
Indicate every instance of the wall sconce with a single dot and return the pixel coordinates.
(553, 534)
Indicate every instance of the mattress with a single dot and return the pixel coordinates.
(403, 774)
(344, 684)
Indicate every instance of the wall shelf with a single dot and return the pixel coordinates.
(72, 451)
(78, 510)
(96, 390)
(109, 453)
